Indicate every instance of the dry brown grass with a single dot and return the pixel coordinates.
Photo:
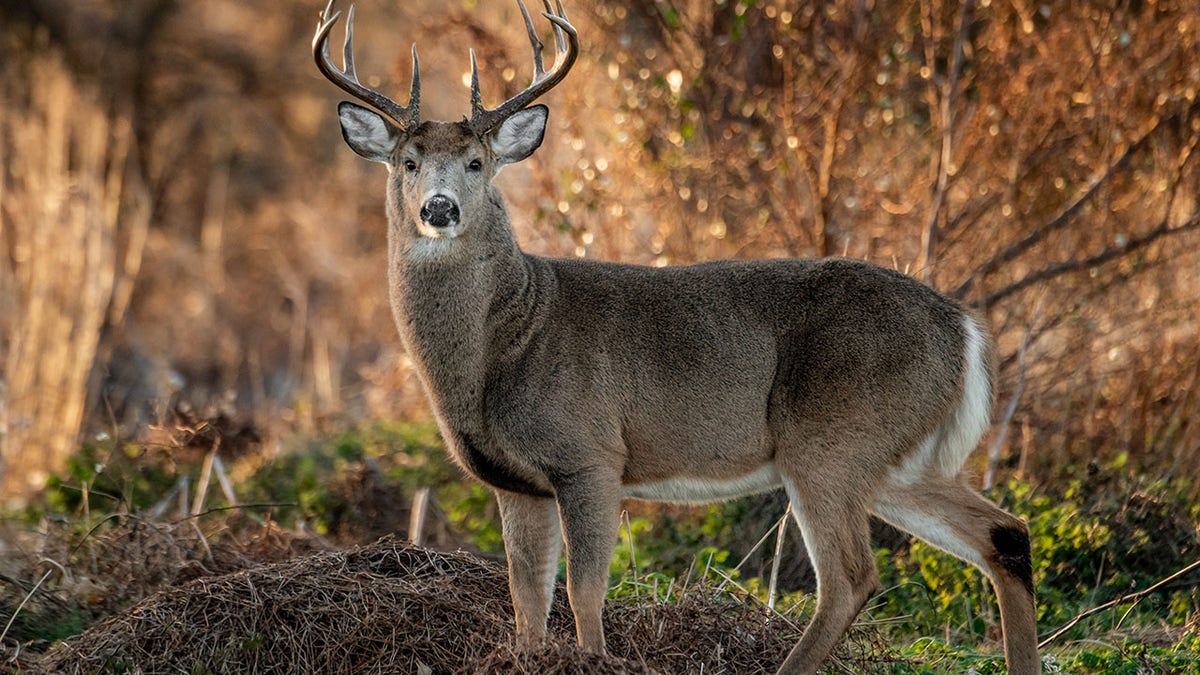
(393, 608)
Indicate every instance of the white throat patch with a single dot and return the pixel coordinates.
(430, 248)
(428, 231)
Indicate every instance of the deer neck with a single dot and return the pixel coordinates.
(460, 307)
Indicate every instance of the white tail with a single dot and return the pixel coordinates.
(946, 450)
(567, 385)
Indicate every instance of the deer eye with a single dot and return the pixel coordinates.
(474, 165)
(410, 165)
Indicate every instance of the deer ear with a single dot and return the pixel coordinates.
(367, 132)
(519, 135)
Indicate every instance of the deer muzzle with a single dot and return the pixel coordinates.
(440, 211)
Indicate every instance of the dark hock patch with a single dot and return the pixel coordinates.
(1013, 554)
(496, 474)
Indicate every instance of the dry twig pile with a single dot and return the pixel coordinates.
(393, 608)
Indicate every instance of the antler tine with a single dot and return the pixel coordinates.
(558, 35)
(476, 98)
(414, 92)
(535, 42)
(348, 46)
(484, 120)
(347, 78)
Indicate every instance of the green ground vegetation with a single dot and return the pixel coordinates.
(1116, 557)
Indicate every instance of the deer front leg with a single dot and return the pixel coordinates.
(532, 543)
(590, 506)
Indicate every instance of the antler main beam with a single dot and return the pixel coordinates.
(566, 41)
(406, 117)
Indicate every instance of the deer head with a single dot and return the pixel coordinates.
(440, 172)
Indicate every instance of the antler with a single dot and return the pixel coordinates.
(406, 117)
(484, 120)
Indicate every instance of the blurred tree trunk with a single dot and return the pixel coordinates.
(64, 193)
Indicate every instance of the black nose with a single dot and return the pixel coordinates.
(440, 211)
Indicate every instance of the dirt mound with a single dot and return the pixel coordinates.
(393, 608)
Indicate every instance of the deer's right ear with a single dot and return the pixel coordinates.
(367, 132)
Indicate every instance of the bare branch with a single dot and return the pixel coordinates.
(948, 93)
(989, 477)
(1017, 248)
(1118, 601)
(1107, 255)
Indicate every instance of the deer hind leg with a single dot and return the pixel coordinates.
(834, 523)
(958, 520)
(532, 543)
(590, 507)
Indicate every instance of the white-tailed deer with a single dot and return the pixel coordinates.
(568, 385)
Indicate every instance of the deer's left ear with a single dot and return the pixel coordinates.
(519, 135)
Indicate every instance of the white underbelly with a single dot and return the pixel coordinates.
(699, 489)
